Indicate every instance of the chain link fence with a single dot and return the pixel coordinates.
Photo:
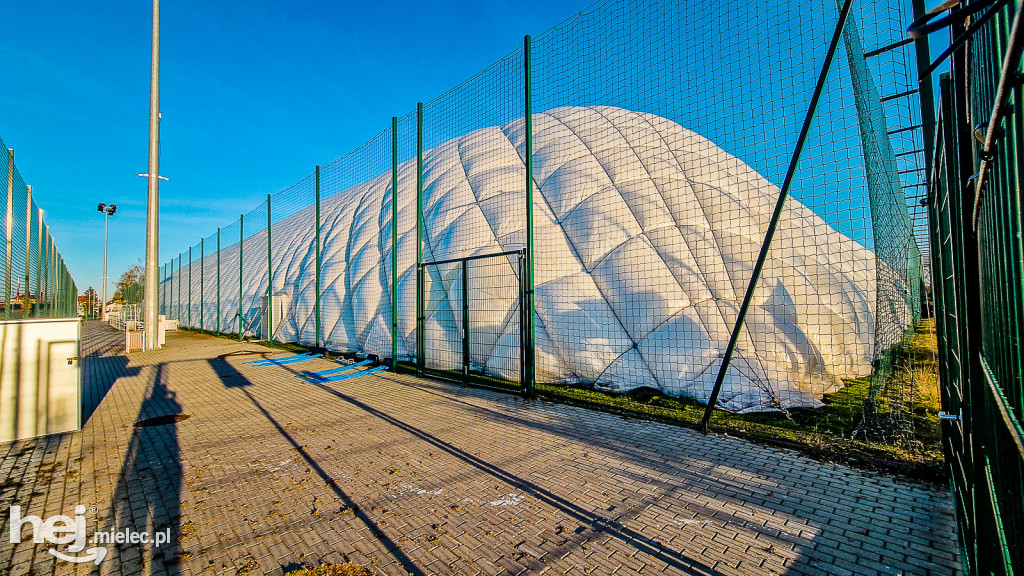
(36, 283)
(648, 158)
(978, 279)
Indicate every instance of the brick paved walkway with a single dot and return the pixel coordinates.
(420, 477)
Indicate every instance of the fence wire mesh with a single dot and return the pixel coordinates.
(35, 280)
(443, 334)
(978, 283)
(661, 136)
(294, 262)
(355, 237)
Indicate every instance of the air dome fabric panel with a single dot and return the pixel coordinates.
(646, 235)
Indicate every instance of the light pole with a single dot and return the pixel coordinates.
(107, 211)
(149, 305)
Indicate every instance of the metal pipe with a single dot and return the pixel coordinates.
(926, 95)
(39, 260)
(218, 281)
(465, 322)
(26, 306)
(1008, 75)
(180, 315)
(149, 294)
(476, 257)
(270, 282)
(520, 261)
(9, 225)
(202, 283)
(106, 228)
(48, 269)
(394, 243)
(190, 288)
(844, 14)
(316, 275)
(241, 237)
(531, 371)
(420, 308)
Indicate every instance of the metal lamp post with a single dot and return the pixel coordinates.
(152, 286)
(107, 211)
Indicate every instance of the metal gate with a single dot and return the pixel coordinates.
(470, 320)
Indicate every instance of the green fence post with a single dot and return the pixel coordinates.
(465, 322)
(57, 303)
(270, 282)
(53, 272)
(45, 262)
(54, 275)
(241, 237)
(9, 225)
(56, 281)
(777, 214)
(44, 258)
(26, 303)
(218, 281)
(316, 275)
(181, 317)
(202, 283)
(62, 290)
(39, 260)
(420, 308)
(394, 243)
(529, 386)
(190, 288)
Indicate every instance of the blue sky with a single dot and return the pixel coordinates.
(253, 95)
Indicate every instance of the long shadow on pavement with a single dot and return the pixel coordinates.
(102, 366)
(148, 492)
(234, 379)
(597, 523)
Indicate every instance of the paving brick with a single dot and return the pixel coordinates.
(417, 476)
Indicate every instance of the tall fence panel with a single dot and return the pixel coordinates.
(355, 239)
(34, 279)
(254, 271)
(659, 181)
(230, 266)
(977, 266)
(294, 262)
(640, 188)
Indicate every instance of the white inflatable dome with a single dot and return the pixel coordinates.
(646, 235)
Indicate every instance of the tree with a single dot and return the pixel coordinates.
(128, 289)
(92, 301)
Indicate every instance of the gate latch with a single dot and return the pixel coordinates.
(948, 416)
(71, 359)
